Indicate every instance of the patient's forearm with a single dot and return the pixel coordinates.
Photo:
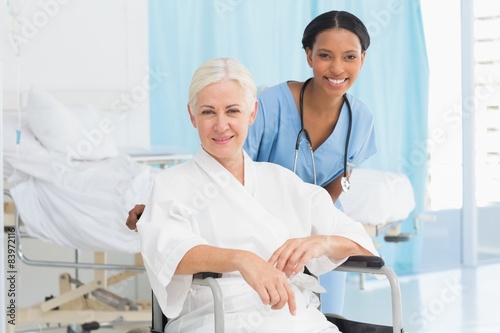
(270, 284)
(206, 258)
(341, 247)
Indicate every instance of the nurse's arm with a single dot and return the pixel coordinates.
(334, 188)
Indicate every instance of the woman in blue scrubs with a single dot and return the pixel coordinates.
(335, 44)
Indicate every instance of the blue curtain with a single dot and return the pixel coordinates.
(266, 37)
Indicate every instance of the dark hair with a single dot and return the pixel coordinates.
(335, 20)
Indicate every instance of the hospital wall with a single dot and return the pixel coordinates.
(93, 52)
(89, 51)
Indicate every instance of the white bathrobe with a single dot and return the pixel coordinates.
(200, 202)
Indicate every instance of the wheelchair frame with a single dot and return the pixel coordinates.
(357, 264)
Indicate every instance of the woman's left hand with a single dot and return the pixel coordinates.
(292, 256)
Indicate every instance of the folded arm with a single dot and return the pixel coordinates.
(294, 254)
(270, 283)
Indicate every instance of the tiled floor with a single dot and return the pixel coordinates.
(460, 301)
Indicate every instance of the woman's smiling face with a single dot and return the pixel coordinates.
(336, 59)
(222, 115)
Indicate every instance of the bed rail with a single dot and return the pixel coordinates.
(19, 235)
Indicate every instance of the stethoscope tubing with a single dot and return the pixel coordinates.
(302, 130)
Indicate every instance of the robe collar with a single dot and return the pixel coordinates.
(211, 166)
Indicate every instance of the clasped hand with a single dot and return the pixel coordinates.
(270, 279)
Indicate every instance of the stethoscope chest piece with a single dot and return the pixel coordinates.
(345, 183)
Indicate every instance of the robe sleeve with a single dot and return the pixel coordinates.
(329, 220)
(167, 231)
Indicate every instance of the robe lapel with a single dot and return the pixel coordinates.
(235, 218)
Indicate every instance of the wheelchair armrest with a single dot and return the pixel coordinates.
(364, 261)
(366, 264)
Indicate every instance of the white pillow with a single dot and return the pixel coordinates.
(79, 131)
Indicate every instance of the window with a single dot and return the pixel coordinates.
(487, 83)
(444, 190)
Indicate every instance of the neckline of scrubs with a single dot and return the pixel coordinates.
(338, 134)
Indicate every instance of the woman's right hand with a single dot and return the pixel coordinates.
(270, 283)
(134, 215)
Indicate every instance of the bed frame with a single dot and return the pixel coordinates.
(77, 302)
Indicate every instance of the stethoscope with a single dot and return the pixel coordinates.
(344, 181)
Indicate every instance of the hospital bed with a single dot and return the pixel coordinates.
(77, 301)
(68, 184)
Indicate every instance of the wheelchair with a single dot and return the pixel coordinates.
(357, 264)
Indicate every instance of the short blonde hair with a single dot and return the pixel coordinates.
(219, 69)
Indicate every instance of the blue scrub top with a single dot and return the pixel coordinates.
(273, 135)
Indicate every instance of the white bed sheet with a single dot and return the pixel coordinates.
(378, 197)
(81, 204)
